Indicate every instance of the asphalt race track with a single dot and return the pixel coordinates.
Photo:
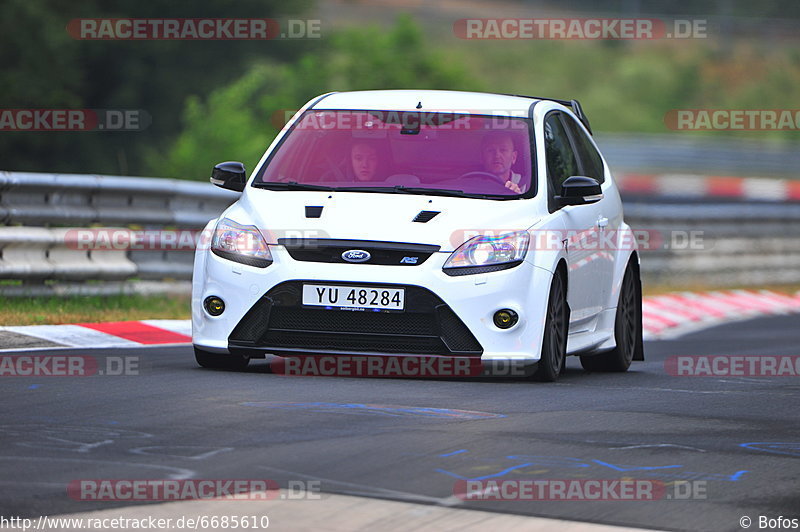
(736, 439)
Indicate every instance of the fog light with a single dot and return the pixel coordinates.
(505, 318)
(214, 305)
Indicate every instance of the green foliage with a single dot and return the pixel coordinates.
(221, 100)
(44, 67)
(631, 86)
(238, 121)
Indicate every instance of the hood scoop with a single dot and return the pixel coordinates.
(313, 211)
(425, 216)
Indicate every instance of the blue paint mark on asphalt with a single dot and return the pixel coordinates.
(675, 472)
(502, 473)
(784, 448)
(737, 475)
(33, 386)
(453, 453)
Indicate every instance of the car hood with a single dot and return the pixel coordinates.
(378, 216)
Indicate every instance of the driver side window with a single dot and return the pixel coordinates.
(561, 162)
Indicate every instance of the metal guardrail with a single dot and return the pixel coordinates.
(38, 211)
(742, 243)
(737, 243)
(69, 199)
(687, 152)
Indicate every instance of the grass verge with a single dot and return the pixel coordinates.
(88, 309)
(92, 309)
(662, 289)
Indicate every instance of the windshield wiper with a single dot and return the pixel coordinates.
(290, 185)
(397, 189)
(434, 191)
(445, 192)
(400, 189)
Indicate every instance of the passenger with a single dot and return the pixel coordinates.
(363, 161)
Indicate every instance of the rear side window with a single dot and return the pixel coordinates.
(561, 162)
(590, 161)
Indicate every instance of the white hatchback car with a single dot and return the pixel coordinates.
(423, 223)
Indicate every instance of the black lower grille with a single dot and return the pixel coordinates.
(375, 344)
(288, 318)
(280, 321)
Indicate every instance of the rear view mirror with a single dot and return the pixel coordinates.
(229, 175)
(579, 190)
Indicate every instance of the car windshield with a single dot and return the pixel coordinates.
(404, 152)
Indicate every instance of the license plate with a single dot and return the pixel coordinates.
(362, 297)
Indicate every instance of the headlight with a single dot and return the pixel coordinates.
(240, 243)
(483, 254)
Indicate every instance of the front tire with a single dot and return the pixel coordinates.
(554, 342)
(627, 328)
(220, 361)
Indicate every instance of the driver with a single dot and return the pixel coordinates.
(498, 156)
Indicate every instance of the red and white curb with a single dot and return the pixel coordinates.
(676, 314)
(687, 185)
(98, 335)
(663, 317)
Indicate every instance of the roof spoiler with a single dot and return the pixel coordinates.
(572, 104)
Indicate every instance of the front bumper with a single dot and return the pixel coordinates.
(445, 316)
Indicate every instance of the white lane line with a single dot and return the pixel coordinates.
(648, 445)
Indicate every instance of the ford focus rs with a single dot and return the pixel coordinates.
(423, 223)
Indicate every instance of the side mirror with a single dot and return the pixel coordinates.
(230, 175)
(579, 190)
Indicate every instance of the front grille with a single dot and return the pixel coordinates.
(427, 326)
(381, 253)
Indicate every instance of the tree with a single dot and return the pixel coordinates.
(239, 121)
(43, 67)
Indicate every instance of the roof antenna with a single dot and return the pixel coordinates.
(419, 105)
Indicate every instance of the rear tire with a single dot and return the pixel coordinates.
(220, 361)
(554, 342)
(627, 328)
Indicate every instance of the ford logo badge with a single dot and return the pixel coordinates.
(356, 255)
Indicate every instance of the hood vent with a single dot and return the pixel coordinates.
(313, 211)
(425, 216)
